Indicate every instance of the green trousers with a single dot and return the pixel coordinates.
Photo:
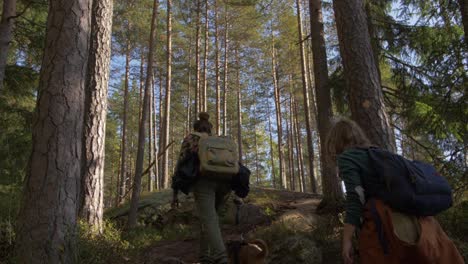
(209, 197)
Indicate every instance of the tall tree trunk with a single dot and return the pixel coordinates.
(95, 115)
(189, 89)
(155, 137)
(46, 227)
(373, 36)
(218, 80)
(239, 105)
(300, 156)
(160, 127)
(142, 78)
(279, 121)
(167, 105)
(290, 148)
(197, 60)
(225, 67)
(6, 35)
(123, 153)
(331, 187)
(362, 78)
(257, 172)
(464, 14)
(305, 90)
(205, 59)
(132, 215)
(272, 158)
(151, 152)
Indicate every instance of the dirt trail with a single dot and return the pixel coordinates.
(287, 206)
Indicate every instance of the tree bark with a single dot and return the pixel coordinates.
(151, 152)
(218, 80)
(95, 115)
(331, 187)
(362, 78)
(189, 89)
(300, 158)
(226, 73)
(289, 132)
(205, 59)
(197, 61)
(155, 138)
(167, 105)
(279, 120)
(305, 90)
(239, 105)
(46, 227)
(123, 154)
(464, 14)
(6, 35)
(132, 215)
(142, 78)
(272, 158)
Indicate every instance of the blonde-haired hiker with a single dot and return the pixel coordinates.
(385, 235)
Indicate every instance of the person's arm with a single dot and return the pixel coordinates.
(184, 151)
(350, 173)
(347, 243)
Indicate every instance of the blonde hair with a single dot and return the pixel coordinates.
(343, 134)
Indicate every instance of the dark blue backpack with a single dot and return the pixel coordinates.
(412, 187)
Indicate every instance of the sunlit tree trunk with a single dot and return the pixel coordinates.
(205, 59)
(331, 187)
(142, 80)
(132, 215)
(151, 152)
(279, 120)
(123, 146)
(362, 78)
(239, 105)
(167, 105)
(95, 115)
(46, 226)
(289, 132)
(305, 90)
(272, 158)
(218, 80)
(156, 174)
(226, 72)
(189, 90)
(300, 157)
(6, 34)
(197, 60)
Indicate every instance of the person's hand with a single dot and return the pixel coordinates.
(347, 251)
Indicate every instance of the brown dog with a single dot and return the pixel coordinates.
(250, 252)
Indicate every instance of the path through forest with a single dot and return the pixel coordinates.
(281, 218)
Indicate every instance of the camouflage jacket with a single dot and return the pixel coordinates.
(188, 149)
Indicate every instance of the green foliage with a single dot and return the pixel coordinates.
(16, 114)
(106, 248)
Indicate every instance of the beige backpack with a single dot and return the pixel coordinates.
(218, 157)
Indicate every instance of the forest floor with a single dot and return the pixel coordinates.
(287, 221)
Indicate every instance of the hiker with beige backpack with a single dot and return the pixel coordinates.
(206, 166)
